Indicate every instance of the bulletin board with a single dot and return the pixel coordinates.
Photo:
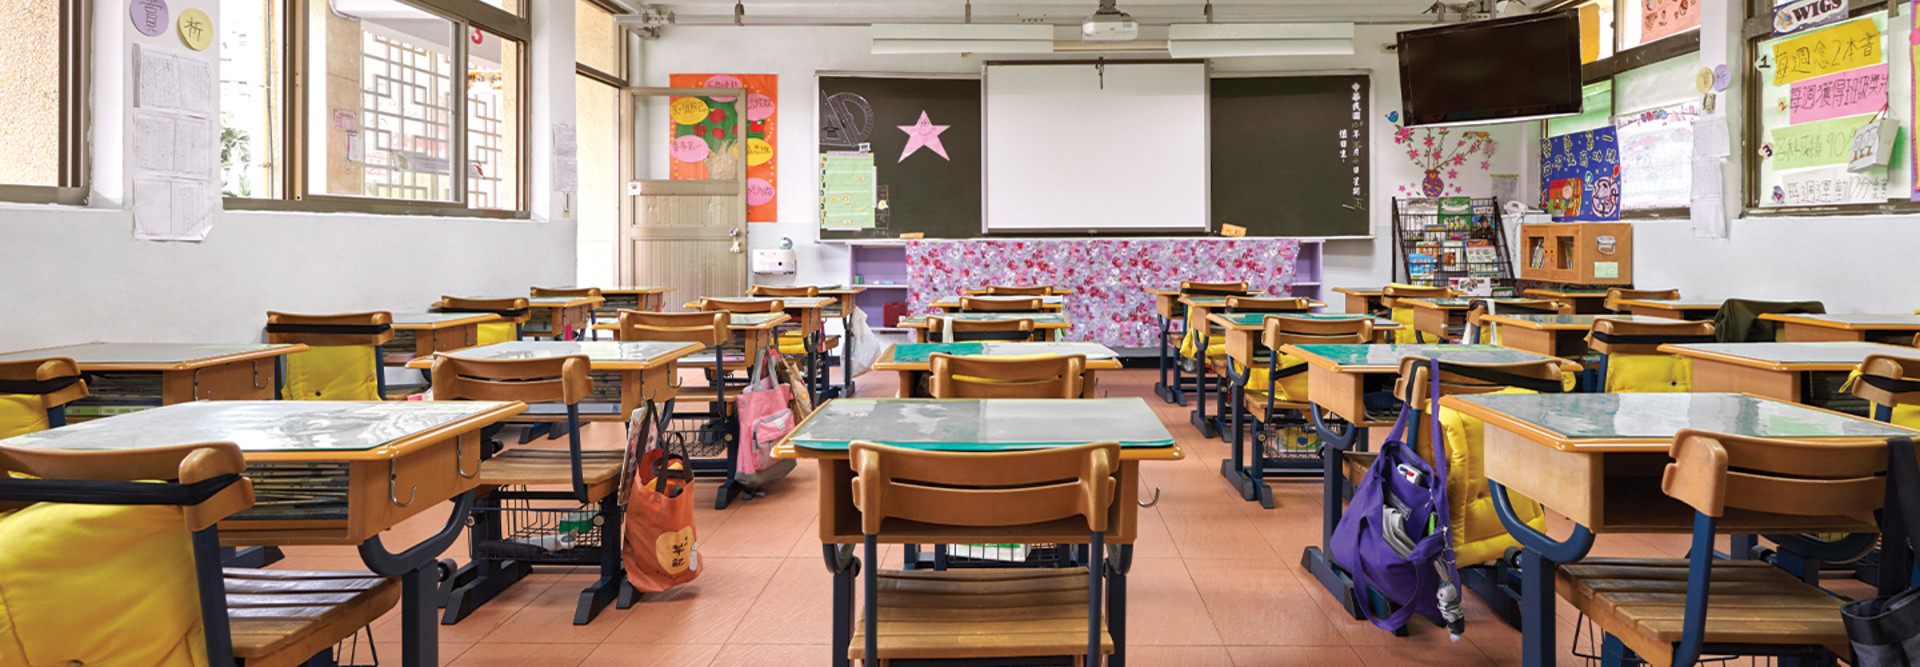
(1814, 89)
(899, 155)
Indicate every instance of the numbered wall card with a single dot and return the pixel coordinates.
(1825, 51)
(703, 146)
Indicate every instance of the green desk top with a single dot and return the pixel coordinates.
(1464, 302)
(785, 301)
(983, 425)
(1574, 321)
(1790, 354)
(1660, 415)
(1389, 356)
(596, 351)
(260, 426)
(1039, 319)
(143, 353)
(917, 353)
(1260, 319)
(429, 319)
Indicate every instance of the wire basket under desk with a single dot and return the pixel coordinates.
(569, 533)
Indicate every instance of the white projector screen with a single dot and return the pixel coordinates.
(1071, 148)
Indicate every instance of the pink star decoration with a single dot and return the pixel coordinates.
(924, 133)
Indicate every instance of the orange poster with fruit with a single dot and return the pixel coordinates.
(702, 146)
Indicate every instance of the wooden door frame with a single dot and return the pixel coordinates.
(634, 96)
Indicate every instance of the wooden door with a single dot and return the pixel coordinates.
(691, 234)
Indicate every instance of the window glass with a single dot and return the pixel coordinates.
(1661, 84)
(494, 66)
(1809, 109)
(30, 83)
(251, 98)
(1649, 20)
(1596, 110)
(512, 6)
(380, 116)
(596, 38)
(597, 112)
(1596, 31)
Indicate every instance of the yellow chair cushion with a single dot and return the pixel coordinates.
(333, 373)
(1190, 343)
(1478, 535)
(1903, 415)
(124, 593)
(791, 344)
(1648, 373)
(1289, 388)
(1406, 333)
(498, 332)
(21, 414)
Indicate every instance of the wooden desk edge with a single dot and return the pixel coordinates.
(1542, 436)
(1685, 350)
(1800, 318)
(470, 319)
(684, 350)
(399, 447)
(195, 364)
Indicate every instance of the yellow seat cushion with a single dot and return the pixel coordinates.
(1903, 415)
(1478, 535)
(1406, 333)
(124, 595)
(1648, 373)
(21, 414)
(333, 373)
(498, 332)
(1290, 388)
(1190, 343)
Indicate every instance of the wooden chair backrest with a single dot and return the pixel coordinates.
(1295, 331)
(511, 309)
(1669, 330)
(771, 290)
(1391, 294)
(187, 464)
(541, 380)
(1214, 289)
(1615, 294)
(705, 328)
(1054, 376)
(1268, 304)
(1415, 383)
(1018, 290)
(968, 303)
(1892, 368)
(50, 370)
(1717, 472)
(742, 305)
(573, 292)
(979, 330)
(974, 489)
(378, 327)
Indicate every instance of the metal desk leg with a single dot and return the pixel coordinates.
(845, 567)
(1167, 392)
(419, 574)
(1317, 559)
(1117, 566)
(1199, 417)
(1540, 557)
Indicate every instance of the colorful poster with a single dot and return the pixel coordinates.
(847, 192)
(1580, 175)
(1838, 48)
(702, 147)
(1660, 18)
(1815, 144)
(1830, 185)
(1656, 149)
(1848, 93)
(1794, 17)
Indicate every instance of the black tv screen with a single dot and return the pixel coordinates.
(1491, 71)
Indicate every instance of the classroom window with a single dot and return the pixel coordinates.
(514, 7)
(1596, 110)
(1803, 115)
(1651, 20)
(494, 73)
(252, 109)
(42, 142)
(598, 39)
(385, 102)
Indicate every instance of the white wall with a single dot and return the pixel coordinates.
(76, 274)
(796, 53)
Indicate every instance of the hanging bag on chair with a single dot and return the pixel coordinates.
(1885, 631)
(765, 418)
(1394, 538)
(660, 548)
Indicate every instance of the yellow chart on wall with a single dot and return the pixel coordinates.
(1842, 47)
(196, 29)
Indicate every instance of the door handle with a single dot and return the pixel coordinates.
(737, 246)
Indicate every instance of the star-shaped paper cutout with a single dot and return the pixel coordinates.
(924, 133)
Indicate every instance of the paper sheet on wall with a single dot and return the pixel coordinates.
(172, 209)
(174, 145)
(1710, 137)
(1707, 209)
(566, 158)
(173, 81)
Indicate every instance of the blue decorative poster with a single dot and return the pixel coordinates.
(1580, 176)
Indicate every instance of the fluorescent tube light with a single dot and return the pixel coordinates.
(890, 39)
(1217, 40)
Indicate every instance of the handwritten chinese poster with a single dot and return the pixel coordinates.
(703, 145)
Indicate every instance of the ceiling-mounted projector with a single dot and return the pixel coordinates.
(1109, 24)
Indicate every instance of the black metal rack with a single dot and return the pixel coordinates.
(1442, 238)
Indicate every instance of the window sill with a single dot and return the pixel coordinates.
(368, 207)
(41, 194)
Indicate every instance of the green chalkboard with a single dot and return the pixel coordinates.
(917, 191)
(1290, 154)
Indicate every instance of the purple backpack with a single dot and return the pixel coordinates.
(1402, 489)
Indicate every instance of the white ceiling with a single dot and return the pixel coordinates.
(1151, 12)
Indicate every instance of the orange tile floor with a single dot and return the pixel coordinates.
(1216, 581)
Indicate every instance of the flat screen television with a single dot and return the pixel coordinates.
(1496, 71)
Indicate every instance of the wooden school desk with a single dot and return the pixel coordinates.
(910, 359)
(1198, 308)
(1246, 469)
(128, 377)
(952, 304)
(976, 425)
(1563, 336)
(422, 334)
(625, 374)
(650, 298)
(1896, 328)
(847, 297)
(1168, 309)
(1363, 299)
(1673, 309)
(810, 311)
(1585, 300)
(1781, 371)
(1050, 323)
(330, 473)
(1597, 459)
(1338, 379)
(1438, 319)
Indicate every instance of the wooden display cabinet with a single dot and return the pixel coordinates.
(1580, 253)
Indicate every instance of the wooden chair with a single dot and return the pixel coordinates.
(1734, 607)
(711, 304)
(979, 330)
(998, 616)
(1390, 297)
(708, 328)
(513, 312)
(566, 292)
(500, 556)
(1022, 290)
(34, 394)
(1196, 287)
(1616, 294)
(267, 618)
(1892, 385)
(970, 304)
(1268, 304)
(342, 361)
(773, 291)
(1275, 396)
(1630, 356)
(1054, 376)
(1475, 330)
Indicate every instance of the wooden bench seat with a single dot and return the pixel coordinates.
(284, 617)
(980, 614)
(532, 466)
(1643, 602)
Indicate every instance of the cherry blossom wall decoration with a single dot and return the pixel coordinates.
(1443, 155)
